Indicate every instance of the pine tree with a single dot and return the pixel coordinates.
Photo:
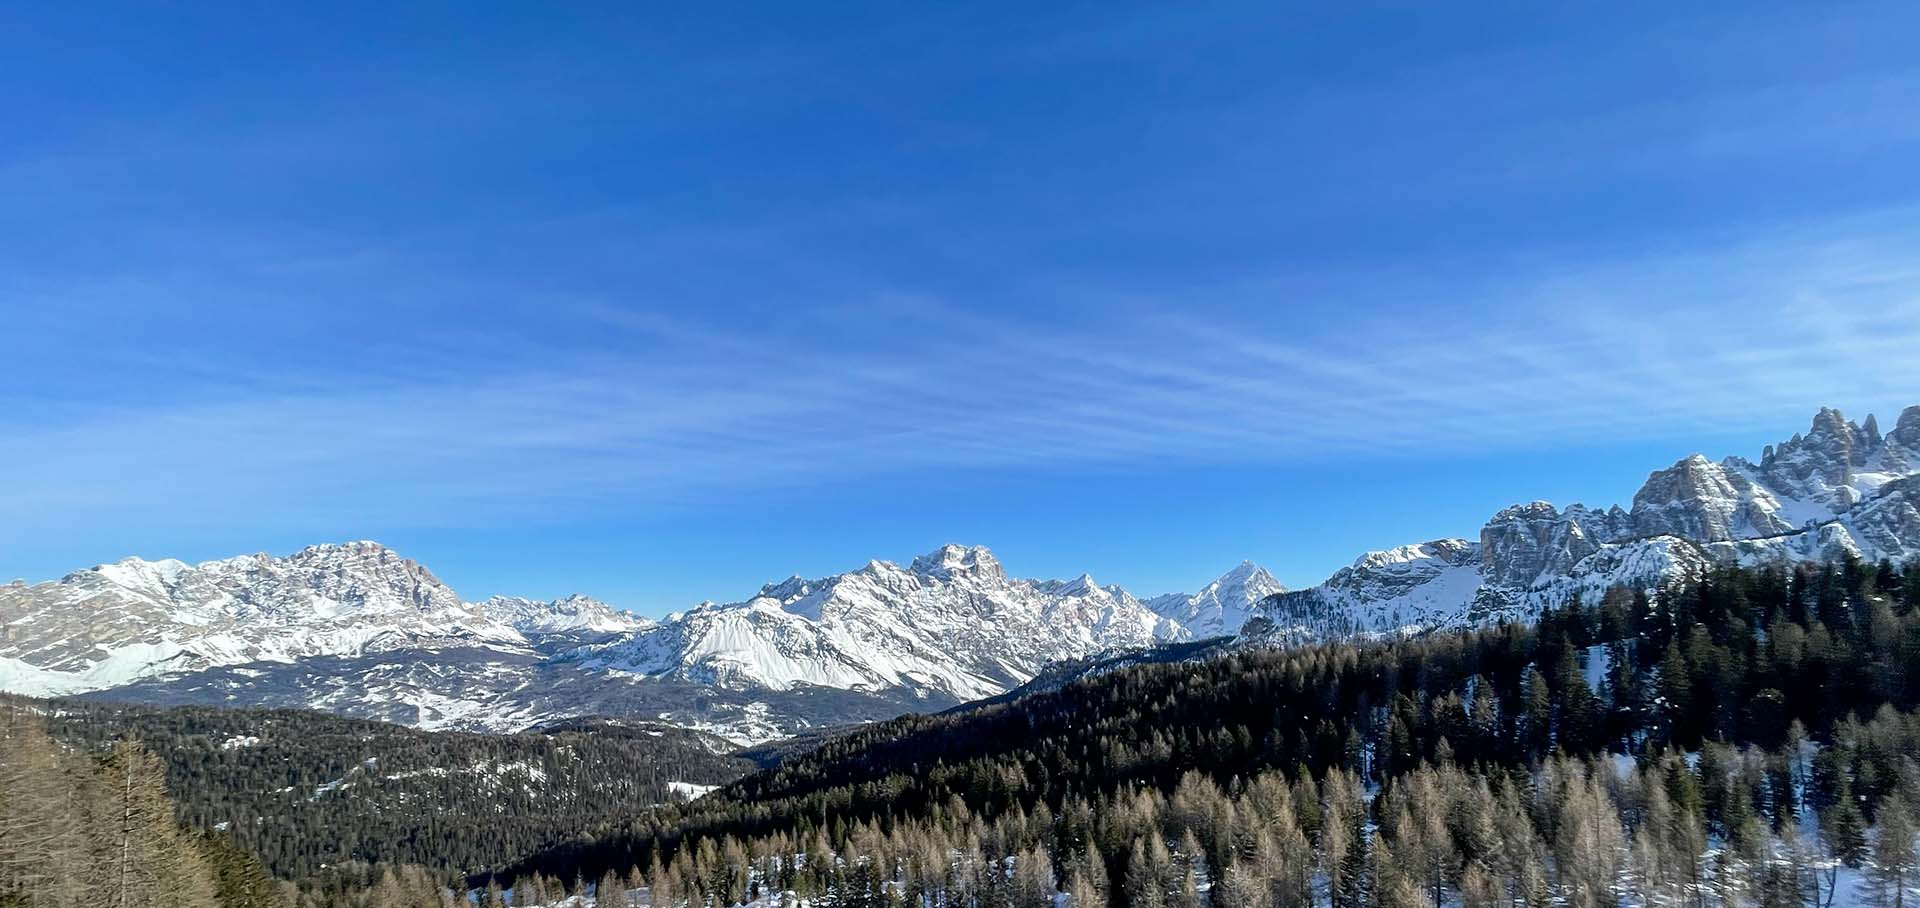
(1662, 852)
(240, 880)
(152, 863)
(1787, 881)
(1588, 843)
(1082, 892)
(1843, 828)
(1480, 889)
(1237, 887)
(1149, 874)
(1389, 883)
(39, 847)
(1537, 717)
(1674, 696)
(1890, 875)
(611, 891)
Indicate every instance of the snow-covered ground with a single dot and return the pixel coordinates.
(689, 791)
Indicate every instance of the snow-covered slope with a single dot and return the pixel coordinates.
(1838, 490)
(1222, 606)
(570, 615)
(951, 625)
(115, 623)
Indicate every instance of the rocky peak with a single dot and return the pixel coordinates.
(1830, 423)
(1833, 466)
(955, 562)
(1704, 501)
(1243, 573)
(1444, 551)
(1247, 583)
(1079, 586)
(567, 614)
(151, 578)
(1609, 525)
(1831, 445)
(793, 587)
(358, 575)
(1906, 430)
(1221, 607)
(1524, 542)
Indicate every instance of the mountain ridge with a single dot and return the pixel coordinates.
(357, 628)
(1839, 490)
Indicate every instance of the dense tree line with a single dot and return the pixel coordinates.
(310, 791)
(1687, 742)
(1588, 833)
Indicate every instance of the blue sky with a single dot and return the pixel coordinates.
(661, 302)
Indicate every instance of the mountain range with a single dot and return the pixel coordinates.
(1839, 490)
(357, 629)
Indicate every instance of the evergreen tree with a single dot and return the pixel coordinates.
(1033, 883)
(1890, 875)
(611, 892)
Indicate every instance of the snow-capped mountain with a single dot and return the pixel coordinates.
(569, 615)
(951, 625)
(1840, 489)
(116, 623)
(1221, 607)
(358, 629)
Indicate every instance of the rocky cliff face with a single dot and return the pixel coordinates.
(115, 623)
(1838, 490)
(1708, 502)
(1527, 542)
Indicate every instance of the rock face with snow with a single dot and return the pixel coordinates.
(115, 623)
(1525, 543)
(358, 629)
(949, 627)
(1222, 606)
(1841, 489)
(570, 615)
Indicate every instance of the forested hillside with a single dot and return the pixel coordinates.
(1746, 739)
(310, 790)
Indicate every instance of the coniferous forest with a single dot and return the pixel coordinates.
(1743, 740)
(333, 802)
(1747, 739)
(309, 790)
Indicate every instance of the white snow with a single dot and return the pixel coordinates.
(1594, 663)
(689, 791)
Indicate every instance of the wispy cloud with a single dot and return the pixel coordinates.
(1751, 335)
